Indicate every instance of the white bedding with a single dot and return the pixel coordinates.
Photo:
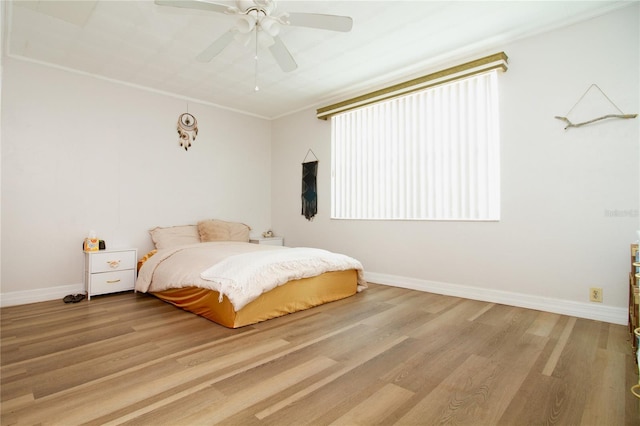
(241, 271)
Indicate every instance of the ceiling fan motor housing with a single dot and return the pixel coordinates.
(267, 6)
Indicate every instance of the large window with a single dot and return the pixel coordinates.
(429, 155)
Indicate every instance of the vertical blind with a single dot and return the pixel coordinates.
(429, 155)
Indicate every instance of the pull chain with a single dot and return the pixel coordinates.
(256, 59)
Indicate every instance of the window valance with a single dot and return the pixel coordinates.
(491, 62)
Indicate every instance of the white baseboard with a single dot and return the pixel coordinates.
(592, 311)
(40, 295)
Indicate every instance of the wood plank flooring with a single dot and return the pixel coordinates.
(385, 356)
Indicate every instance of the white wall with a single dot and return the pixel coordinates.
(555, 239)
(80, 153)
(2, 38)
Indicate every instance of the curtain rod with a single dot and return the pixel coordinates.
(488, 63)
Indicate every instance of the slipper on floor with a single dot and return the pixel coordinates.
(73, 298)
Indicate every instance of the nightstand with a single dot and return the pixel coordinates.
(271, 241)
(109, 271)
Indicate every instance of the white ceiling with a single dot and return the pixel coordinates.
(150, 46)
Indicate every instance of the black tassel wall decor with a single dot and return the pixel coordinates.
(309, 189)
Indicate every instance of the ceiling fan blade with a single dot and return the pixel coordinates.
(282, 55)
(197, 4)
(215, 48)
(320, 21)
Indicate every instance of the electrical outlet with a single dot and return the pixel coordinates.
(595, 294)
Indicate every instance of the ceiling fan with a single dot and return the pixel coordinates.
(258, 19)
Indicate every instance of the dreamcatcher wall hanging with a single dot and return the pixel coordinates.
(187, 130)
(309, 186)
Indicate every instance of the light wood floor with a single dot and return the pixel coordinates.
(384, 356)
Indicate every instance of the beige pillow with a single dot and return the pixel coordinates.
(174, 236)
(219, 230)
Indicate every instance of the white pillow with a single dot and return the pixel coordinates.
(174, 236)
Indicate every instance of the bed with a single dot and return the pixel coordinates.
(211, 269)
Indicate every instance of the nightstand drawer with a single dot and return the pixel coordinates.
(112, 261)
(111, 282)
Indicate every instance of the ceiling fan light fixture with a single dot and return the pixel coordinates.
(270, 26)
(246, 23)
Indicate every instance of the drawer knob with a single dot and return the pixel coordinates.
(113, 263)
(112, 281)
